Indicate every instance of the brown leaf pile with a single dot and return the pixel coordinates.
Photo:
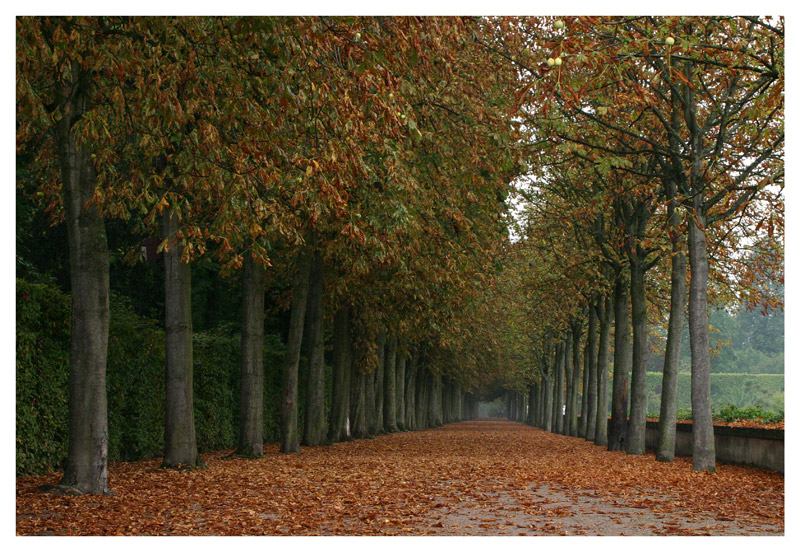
(400, 484)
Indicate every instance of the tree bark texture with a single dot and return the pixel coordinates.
(400, 387)
(622, 365)
(314, 424)
(703, 453)
(669, 382)
(590, 388)
(576, 378)
(604, 312)
(251, 383)
(180, 446)
(389, 383)
(410, 391)
(86, 469)
(337, 430)
(381, 350)
(637, 425)
(290, 442)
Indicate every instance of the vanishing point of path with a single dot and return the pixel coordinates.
(471, 478)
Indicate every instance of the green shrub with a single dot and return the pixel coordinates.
(732, 413)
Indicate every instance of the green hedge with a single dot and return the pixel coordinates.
(135, 381)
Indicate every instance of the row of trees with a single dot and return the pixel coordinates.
(360, 164)
(360, 168)
(656, 138)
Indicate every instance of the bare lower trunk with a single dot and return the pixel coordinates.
(400, 385)
(622, 365)
(389, 382)
(604, 312)
(410, 392)
(576, 378)
(86, 469)
(290, 442)
(314, 426)
(180, 446)
(381, 350)
(251, 384)
(591, 368)
(564, 429)
(558, 389)
(703, 454)
(669, 382)
(637, 424)
(341, 376)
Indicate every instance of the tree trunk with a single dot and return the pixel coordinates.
(669, 381)
(436, 403)
(604, 314)
(400, 386)
(389, 382)
(558, 396)
(576, 377)
(549, 385)
(314, 426)
(358, 404)
(703, 453)
(422, 397)
(341, 376)
(290, 441)
(180, 447)
(369, 397)
(637, 424)
(622, 364)
(381, 350)
(567, 383)
(251, 384)
(86, 469)
(411, 384)
(590, 388)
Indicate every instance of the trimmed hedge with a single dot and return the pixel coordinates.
(135, 382)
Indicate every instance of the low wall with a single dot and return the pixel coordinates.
(762, 448)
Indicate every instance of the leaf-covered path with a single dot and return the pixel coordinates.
(471, 478)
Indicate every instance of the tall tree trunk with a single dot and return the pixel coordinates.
(337, 430)
(584, 419)
(389, 382)
(180, 446)
(358, 404)
(590, 388)
(314, 426)
(532, 403)
(251, 383)
(604, 314)
(576, 377)
(421, 398)
(703, 453)
(411, 384)
(549, 386)
(436, 389)
(400, 386)
(555, 405)
(86, 469)
(567, 383)
(669, 382)
(637, 425)
(381, 350)
(369, 397)
(290, 442)
(559, 402)
(622, 365)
